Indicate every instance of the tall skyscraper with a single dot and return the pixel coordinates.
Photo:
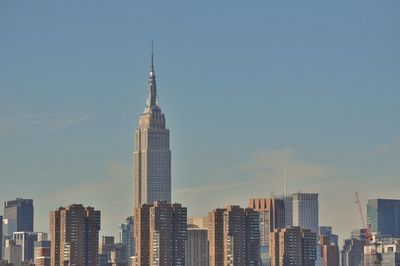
(293, 246)
(74, 234)
(272, 216)
(18, 216)
(384, 217)
(233, 235)
(160, 234)
(152, 155)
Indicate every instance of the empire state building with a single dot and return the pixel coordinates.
(152, 155)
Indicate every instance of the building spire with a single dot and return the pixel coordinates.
(152, 102)
(152, 57)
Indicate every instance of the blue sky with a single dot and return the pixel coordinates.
(241, 85)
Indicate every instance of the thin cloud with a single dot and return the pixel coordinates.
(258, 176)
(23, 122)
(70, 121)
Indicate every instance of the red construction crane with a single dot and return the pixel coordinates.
(367, 228)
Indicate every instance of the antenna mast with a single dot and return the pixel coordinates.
(285, 175)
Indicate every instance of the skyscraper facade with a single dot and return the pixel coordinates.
(352, 253)
(42, 253)
(18, 216)
(26, 240)
(74, 234)
(12, 252)
(196, 247)
(386, 253)
(160, 234)
(288, 203)
(126, 230)
(384, 217)
(327, 231)
(293, 246)
(233, 235)
(152, 155)
(272, 216)
(329, 252)
(305, 211)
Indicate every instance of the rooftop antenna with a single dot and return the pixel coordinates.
(152, 57)
(285, 175)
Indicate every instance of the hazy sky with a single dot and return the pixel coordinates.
(241, 84)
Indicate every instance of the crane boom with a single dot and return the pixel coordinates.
(366, 227)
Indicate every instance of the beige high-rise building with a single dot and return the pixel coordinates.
(293, 246)
(196, 247)
(74, 234)
(272, 216)
(152, 155)
(233, 235)
(160, 234)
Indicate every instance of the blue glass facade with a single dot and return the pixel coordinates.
(18, 216)
(384, 217)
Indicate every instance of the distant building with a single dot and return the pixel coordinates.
(26, 240)
(126, 231)
(196, 247)
(111, 253)
(199, 221)
(234, 236)
(384, 252)
(327, 231)
(12, 252)
(160, 234)
(293, 246)
(272, 216)
(352, 253)
(42, 236)
(18, 216)
(305, 211)
(329, 252)
(74, 234)
(384, 217)
(106, 245)
(288, 204)
(42, 253)
(118, 255)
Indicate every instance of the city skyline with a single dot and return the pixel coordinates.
(237, 107)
